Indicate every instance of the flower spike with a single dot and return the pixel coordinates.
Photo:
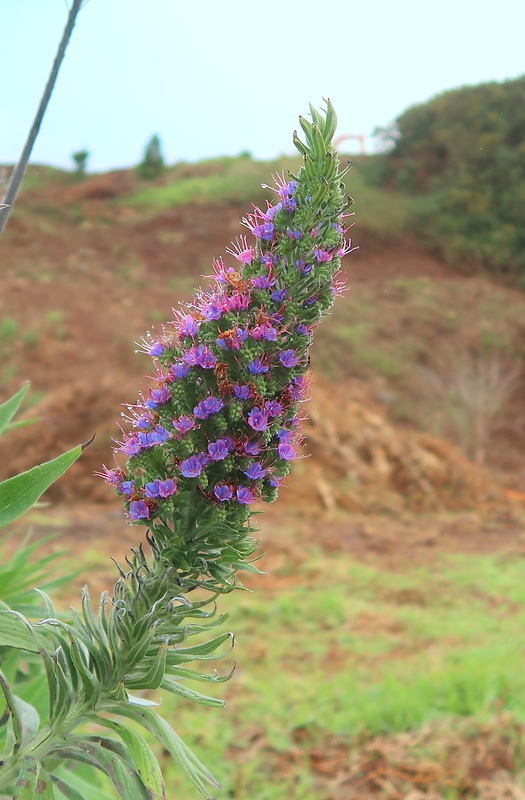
(220, 428)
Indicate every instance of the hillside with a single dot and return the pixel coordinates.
(89, 266)
(395, 553)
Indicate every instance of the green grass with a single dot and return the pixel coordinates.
(238, 180)
(354, 650)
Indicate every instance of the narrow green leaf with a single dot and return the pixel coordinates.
(10, 407)
(87, 788)
(23, 423)
(153, 677)
(144, 758)
(169, 685)
(199, 652)
(90, 681)
(25, 788)
(67, 790)
(141, 701)
(125, 780)
(164, 733)
(14, 633)
(191, 674)
(44, 787)
(19, 493)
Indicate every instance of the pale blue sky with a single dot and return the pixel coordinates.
(216, 78)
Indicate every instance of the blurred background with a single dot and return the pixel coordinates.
(382, 655)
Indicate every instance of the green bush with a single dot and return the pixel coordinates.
(463, 153)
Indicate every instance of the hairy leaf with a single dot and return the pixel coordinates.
(19, 493)
(25, 788)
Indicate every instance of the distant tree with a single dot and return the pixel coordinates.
(80, 158)
(152, 165)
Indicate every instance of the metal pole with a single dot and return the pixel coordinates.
(19, 170)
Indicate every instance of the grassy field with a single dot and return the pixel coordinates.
(348, 666)
(347, 652)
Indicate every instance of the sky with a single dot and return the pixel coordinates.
(219, 78)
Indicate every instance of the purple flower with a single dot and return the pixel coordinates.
(287, 190)
(255, 471)
(156, 349)
(264, 231)
(189, 326)
(269, 214)
(159, 435)
(237, 302)
(190, 356)
(257, 367)
(294, 234)
(288, 358)
(205, 358)
(212, 310)
(323, 256)
(284, 435)
(146, 440)
(286, 451)
(242, 392)
(263, 282)
(223, 492)
(302, 329)
(132, 446)
(212, 405)
(279, 295)
(151, 489)
(111, 476)
(264, 331)
(180, 369)
(298, 387)
(251, 448)
(244, 496)
(273, 408)
(144, 421)
(257, 420)
(218, 450)
(303, 267)
(138, 509)
(241, 251)
(127, 488)
(159, 396)
(290, 204)
(269, 260)
(167, 487)
(184, 423)
(192, 467)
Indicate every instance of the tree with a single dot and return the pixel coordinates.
(80, 158)
(152, 165)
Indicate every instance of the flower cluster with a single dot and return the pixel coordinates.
(219, 428)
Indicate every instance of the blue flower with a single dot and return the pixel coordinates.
(257, 367)
(138, 509)
(223, 492)
(192, 467)
(255, 471)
